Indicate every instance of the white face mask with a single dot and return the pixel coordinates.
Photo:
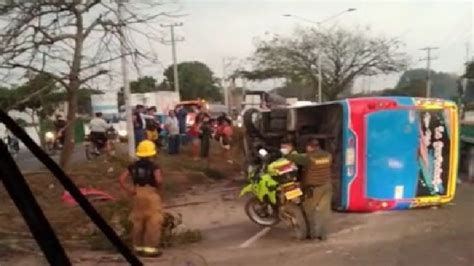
(284, 151)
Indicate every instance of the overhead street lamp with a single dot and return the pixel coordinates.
(318, 24)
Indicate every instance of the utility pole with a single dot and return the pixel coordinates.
(320, 78)
(428, 68)
(126, 83)
(173, 50)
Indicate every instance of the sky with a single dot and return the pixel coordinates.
(218, 29)
(214, 30)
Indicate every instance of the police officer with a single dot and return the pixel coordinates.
(316, 182)
(147, 211)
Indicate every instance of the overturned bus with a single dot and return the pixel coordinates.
(389, 152)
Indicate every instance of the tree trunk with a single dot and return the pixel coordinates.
(72, 91)
(69, 142)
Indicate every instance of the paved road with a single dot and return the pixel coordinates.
(443, 236)
(28, 162)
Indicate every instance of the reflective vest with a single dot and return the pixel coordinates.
(142, 172)
(318, 170)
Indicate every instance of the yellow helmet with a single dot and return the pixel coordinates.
(146, 148)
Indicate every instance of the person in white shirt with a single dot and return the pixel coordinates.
(98, 127)
(172, 126)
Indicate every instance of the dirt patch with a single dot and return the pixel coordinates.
(181, 177)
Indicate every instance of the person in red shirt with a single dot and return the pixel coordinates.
(193, 134)
(226, 132)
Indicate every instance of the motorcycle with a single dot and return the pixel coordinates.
(52, 143)
(276, 194)
(93, 149)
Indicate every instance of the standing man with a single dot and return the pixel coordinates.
(152, 125)
(316, 182)
(182, 115)
(205, 134)
(139, 124)
(147, 212)
(59, 127)
(172, 126)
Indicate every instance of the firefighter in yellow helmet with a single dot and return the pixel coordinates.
(316, 182)
(147, 211)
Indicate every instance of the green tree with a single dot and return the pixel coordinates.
(299, 88)
(467, 96)
(469, 72)
(73, 42)
(413, 82)
(143, 85)
(6, 97)
(35, 97)
(346, 54)
(196, 80)
(40, 98)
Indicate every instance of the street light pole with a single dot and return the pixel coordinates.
(126, 83)
(319, 62)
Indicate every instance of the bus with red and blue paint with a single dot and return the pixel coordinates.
(389, 152)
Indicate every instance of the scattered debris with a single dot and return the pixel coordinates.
(90, 193)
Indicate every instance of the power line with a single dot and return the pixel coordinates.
(428, 60)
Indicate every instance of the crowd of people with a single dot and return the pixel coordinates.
(172, 131)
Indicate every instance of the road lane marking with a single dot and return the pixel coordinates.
(256, 237)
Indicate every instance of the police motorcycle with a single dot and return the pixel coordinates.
(275, 192)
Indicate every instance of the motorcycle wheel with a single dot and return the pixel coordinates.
(261, 213)
(293, 215)
(50, 149)
(90, 151)
(87, 150)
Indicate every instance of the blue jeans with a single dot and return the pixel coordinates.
(139, 135)
(173, 144)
